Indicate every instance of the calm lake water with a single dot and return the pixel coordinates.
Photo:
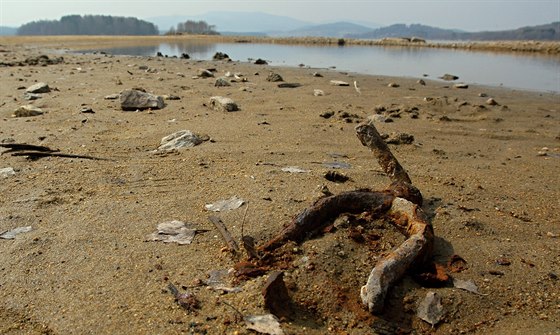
(526, 71)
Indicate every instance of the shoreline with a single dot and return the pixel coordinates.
(524, 47)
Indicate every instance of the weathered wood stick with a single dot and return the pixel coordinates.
(24, 146)
(33, 155)
(369, 136)
(225, 233)
(325, 210)
(414, 252)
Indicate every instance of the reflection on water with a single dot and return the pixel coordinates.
(529, 72)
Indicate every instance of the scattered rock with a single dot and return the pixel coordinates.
(185, 56)
(317, 74)
(87, 110)
(38, 88)
(448, 77)
(223, 104)
(467, 285)
(398, 138)
(225, 205)
(482, 95)
(491, 102)
(379, 118)
(394, 85)
(137, 100)
(180, 139)
(266, 324)
(32, 96)
(276, 297)
(289, 85)
(274, 77)
(318, 93)
(170, 97)
(461, 86)
(10, 235)
(261, 62)
(421, 82)
(336, 177)
(222, 82)
(339, 83)
(220, 56)
(204, 73)
(173, 232)
(327, 115)
(294, 169)
(7, 172)
(27, 111)
(431, 309)
(112, 96)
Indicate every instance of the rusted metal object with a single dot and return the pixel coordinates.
(400, 202)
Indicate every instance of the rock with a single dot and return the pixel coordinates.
(185, 56)
(220, 56)
(482, 95)
(173, 232)
(317, 74)
(203, 73)
(318, 93)
(379, 118)
(10, 235)
(112, 96)
(43, 60)
(449, 77)
(27, 111)
(491, 102)
(87, 110)
(261, 62)
(462, 86)
(180, 139)
(38, 88)
(294, 169)
(225, 205)
(135, 99)
(170, 97)
(417, 40)
(421, 82)
(223, 104)
(7, 172)
(399, 138)
(289, 85)
(336, 177)
(264, 324)
(327, 115)
(339, 83)
(221, 82)
(274, 77)
(32, 96)
(394, 85)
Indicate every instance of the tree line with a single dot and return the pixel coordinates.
(193, 27)
(89, 25)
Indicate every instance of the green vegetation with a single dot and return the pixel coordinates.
(89, 25)
(193, 28)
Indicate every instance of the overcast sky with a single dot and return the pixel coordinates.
(469, 15)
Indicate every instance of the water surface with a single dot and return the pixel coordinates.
(519, 71)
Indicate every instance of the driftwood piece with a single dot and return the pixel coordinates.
(232, 245)
(35, 152)
(401, 202)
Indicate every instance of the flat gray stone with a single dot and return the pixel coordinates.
(134, 99)
(180, 139)
(27, 111)
(38, 88)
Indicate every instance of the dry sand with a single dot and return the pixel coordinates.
(489, 176)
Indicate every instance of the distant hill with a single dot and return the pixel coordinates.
(234, 21)
(337, 29)
(89, 25)
(4, 31)
(543, 32)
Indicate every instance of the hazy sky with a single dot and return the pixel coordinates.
(470, 15)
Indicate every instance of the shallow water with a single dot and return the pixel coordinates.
(519, 71)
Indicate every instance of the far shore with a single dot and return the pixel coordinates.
(77, 42)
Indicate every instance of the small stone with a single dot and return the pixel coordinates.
(461, 86)
(394, 85)
(38, 88)
(32, 96)
(482, 95)
(221, 82)
(339, 83)
(180, 139)
(112, 96)
(27, 111)
(7, 172)
(261, 62)
(203, 73)
(223, 104)
(220, 56)
(421, 82)
(318, 93)
(317, 74)
(138, 100)
(274, 77)
(449, 77)
(491, 102)
(87, 110)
